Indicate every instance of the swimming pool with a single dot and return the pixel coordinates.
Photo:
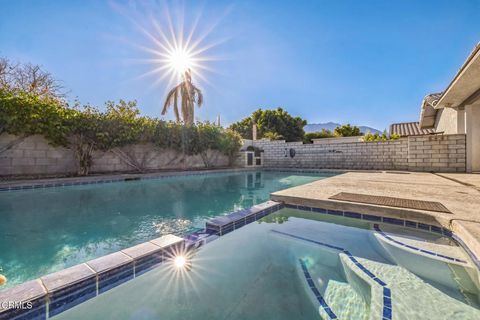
(45, 230)
(296, 264)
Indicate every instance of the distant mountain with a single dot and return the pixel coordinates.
(315, 127)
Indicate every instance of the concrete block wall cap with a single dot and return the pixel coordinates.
(66, 277)
(141, 250)
(24, 292)
(108, 262)
(167, 240)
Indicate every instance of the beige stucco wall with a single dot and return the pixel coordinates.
(473, 137)
(450, 121)
(34, 156)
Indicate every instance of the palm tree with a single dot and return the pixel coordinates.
(189, 94)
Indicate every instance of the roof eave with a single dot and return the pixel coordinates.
(464, 84)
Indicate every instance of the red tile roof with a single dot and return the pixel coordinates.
(409, 129)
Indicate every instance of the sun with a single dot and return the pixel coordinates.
(174, 43)
(180, 60)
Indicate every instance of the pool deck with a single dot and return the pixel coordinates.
(460, 193)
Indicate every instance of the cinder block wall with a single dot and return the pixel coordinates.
(439, 153)
(34, 156)
(442, 153)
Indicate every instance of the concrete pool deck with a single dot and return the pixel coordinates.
(460, 193)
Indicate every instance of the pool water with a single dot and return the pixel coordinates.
(267, 269)
(46, 230)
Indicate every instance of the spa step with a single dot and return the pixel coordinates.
(430, 261)
(334, 299)
(411, 296)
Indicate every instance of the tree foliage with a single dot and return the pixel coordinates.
(271, 123)
(318, 135)
(347, 131)
(380, 137)
(28, 78)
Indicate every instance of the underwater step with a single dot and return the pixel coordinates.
(335, 299)
(411, 296)
(433, 262)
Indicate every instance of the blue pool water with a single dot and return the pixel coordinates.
(301, 265)
(45, 230)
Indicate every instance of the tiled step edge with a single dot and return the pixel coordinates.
(416, 250)
(54, 293)
(225, 224)
(373, 280)
(311, 284)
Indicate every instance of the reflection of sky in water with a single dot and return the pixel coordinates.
(48, 229)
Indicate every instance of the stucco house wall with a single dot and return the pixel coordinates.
(450, 121)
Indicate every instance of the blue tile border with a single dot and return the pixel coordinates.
(375, 218)
(383, 234)
(89, 181)
(161, 175)
(387, 308)
(235, 220)
(315, 291)
(67, 298)
(37, 312)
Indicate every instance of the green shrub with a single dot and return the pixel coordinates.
(86, 129)
(347, 131)
(380, 137)
(317, 135)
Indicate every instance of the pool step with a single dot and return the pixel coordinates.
(389, 291)
(412, 297)
(345, 301)
(433, 262)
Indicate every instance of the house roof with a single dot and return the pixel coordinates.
(405, 129)
(428, 112)
(463, 89)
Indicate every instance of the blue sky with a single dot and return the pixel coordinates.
(361, 62)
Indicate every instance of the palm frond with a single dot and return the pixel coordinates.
(175, 106)
(171, 97)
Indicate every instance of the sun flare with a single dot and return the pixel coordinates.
(180, 262)
(174, 41)
(180, 60)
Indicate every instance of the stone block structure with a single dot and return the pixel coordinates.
(436, 153)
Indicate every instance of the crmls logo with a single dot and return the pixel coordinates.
(16, 305)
